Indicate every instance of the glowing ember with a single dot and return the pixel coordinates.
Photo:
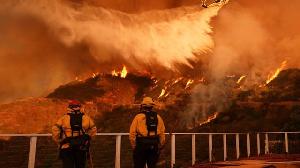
(278, 70)
(177, 80)
(189, 82)
(166, 95)
(241, 78)
(162, 93)
(202, 80)
(124, 72)
(94, 75)
(78, 79)
(210, 118)
(230, 76)
(167, 82)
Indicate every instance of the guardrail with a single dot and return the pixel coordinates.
(33, 143)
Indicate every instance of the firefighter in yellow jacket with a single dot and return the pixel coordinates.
(146, 135)
(73, 132)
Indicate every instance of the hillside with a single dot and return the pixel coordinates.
(111, 99)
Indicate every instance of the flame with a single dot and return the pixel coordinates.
(188, 83)
(114, 73)
(78, 79)
(162, 93)
(210, 118)
(202, 80)
(166, 95)
(278, 70)
(241, 78)
(124, 72)
(94, 75)
(177, 80)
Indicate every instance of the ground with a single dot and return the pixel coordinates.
(253, 164)
(266, 161)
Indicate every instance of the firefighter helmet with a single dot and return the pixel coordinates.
(148, 101)
(74, 104)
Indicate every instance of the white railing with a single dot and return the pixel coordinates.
(33, 143)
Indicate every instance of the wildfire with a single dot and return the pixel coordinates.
(188, 83)
(162, 93)
(177, 80)
(114, 73)
(241, 78)
(230, 76)
(94, 75)
(278, 70)
(210, 118)
(78, 79)
(166, 95)
(202, 80)
(122, 73)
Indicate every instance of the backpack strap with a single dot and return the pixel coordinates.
(156, 120)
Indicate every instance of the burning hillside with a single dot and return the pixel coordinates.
(71, 39)
(74, 39)
(220, 66)
(123, 90)
(285, 87)
(271, 107)
(196, 103)
(197, 62)
(101, 94)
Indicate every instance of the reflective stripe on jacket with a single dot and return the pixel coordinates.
(139, 128)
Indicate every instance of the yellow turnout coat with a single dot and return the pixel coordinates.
(62, 129)
(139, 128)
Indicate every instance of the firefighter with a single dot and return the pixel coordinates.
(146, 135)
(73, 132)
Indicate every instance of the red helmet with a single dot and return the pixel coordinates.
(74, 104)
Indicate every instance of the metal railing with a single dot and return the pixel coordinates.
(33, 144)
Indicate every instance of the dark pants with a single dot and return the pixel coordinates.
(73, 158)
(143, 154)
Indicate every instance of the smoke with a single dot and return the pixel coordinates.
(251, 38)
(206, 100)
(32, 61)
(48, 42)
(163, 37)
(45, 43)
(255, 38)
